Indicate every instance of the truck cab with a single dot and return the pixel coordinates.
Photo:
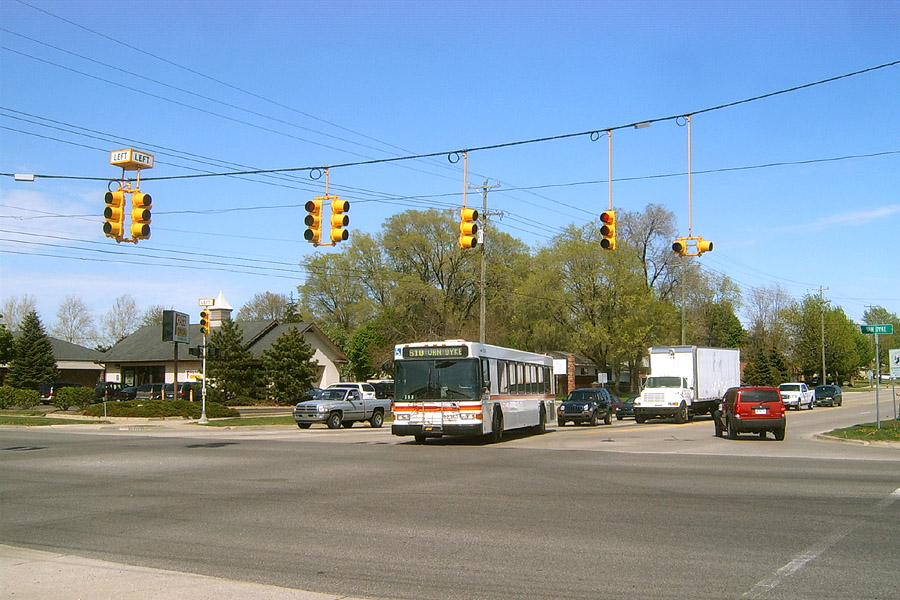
(664, 396)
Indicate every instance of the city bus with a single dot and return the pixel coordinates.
(455, 387)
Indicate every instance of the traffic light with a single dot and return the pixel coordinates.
(339, 219)
(114, 213)
(679, 247)
(313, 221)
(608, 229)
(468, 227)
(704, 246)
(204, 322)
(140, 216)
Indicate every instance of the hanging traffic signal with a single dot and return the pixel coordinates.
(140, 216)
(703, 246)
(313, 221)
(468, 227)
(114, 213)
(339, 220)
(679, 247)
(608, 229)
(204, 322)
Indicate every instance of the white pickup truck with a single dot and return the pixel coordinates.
(796, 395)
(342, 404)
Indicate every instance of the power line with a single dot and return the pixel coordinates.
(454, 155)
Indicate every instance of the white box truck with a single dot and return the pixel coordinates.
(685, 381)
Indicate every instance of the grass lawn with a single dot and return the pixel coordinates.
(38, 419)
(889, 432)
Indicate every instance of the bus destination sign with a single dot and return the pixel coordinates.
(436, 352)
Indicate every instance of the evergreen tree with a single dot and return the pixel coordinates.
(232, 370)
(6, 344)
(289, 367)
(33, 362)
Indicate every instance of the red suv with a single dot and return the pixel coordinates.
(751, 410)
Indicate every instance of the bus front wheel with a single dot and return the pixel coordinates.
(497, 426)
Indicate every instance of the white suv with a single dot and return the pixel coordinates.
(366, 390)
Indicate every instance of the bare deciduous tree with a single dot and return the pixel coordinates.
(15, 308)
(74, 322)
(121, 320)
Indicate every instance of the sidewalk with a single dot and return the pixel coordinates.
(35, 575)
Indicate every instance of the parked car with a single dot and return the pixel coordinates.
(585, 405)
(186, 391)
(108, 390)
(751, 410)
(366, 390)
(126, 393)
(383, 389)
(625, 409)
(48, 390)
(830, 395)
(337, 406)
(148, 391)
(796, 394)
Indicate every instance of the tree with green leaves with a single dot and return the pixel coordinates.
(232, 371)
(33, 363)
(364, 346)
(6, 344)
(288, 367)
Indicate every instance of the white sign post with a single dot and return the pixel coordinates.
(895, 375)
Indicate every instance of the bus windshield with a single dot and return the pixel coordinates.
(436, 380)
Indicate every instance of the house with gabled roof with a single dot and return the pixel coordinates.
(143, 357)
(76, 364)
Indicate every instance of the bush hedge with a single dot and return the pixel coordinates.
(14, 397)
(161, 408)
(67, 397)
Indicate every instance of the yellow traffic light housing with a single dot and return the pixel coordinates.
(313, 221)
(114, 213)
(468, 228)
(339, 219)
(204, 322)
(681, 246)
(608, 230)
(140, 216)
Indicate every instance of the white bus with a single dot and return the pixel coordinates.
(456, 387)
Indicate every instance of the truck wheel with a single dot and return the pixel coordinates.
(304, 425)
(717, 424)
(682, 415)
(638, 418)
(608, 418)
(812, 405)
(377, 419)
(334, 420)
(561, 422)
(420, 439)
(594, 419)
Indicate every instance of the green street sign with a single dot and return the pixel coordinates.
(873, 329)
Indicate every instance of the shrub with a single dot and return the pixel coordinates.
(10, 397)
(157, 408)
(67, 397)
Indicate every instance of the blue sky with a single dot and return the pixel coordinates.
(224, 86)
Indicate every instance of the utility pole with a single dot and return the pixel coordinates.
(481, 286)
(822, 299)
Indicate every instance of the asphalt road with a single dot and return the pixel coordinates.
(620, 511)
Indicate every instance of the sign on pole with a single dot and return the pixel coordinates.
(895, 363)
(877, 329)
(175, 327)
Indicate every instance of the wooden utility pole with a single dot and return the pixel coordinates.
(481, 286)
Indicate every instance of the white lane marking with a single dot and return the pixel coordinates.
(810, 554)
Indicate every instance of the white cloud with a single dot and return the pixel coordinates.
(861, 217)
